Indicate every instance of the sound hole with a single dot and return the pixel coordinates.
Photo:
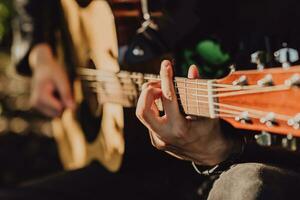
(90, 123)
(89, 111)
(83, 3)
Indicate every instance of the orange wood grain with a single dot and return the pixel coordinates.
(282, 102)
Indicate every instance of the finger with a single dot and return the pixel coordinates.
(145, 110)
(53, 102)
(64, 89)
(193, 72)
(48, 110)
(169, 99)
(45, 108)
(155, 84)
(47, 102)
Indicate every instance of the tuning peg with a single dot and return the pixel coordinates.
(264, 139)
(289, 142)
(259, 58)
(286, 56)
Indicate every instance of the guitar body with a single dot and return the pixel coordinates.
(93, 34)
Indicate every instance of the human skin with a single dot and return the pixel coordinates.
(198, 140)
(51, 91)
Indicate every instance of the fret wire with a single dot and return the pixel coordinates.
(197, 100)
(187, 108)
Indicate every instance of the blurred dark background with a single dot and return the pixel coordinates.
(27, 149)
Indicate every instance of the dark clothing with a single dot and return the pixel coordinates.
(35, 22)
(94, 182)
(254, 181)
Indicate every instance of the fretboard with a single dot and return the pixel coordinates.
(194, 95)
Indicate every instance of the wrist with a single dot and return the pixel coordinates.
(220, 150)
(236, 152)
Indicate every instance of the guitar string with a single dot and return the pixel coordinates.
(177, 80)
(233, 113)
(105, 74)
(137, 75)
(132, 91)
(225, 94)
(265, 89)
(252, 113)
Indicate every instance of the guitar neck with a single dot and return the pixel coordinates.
(256, 100)
(194, 95)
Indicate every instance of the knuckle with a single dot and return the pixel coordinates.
(149, 85)
(140, 113)
(161, 146)
(149, 90)
(145, 85)
(158, 143)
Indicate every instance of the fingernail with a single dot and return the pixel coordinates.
(166, 64)
(168, 93)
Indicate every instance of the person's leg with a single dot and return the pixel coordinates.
(94, 182)
(91, 182)
(252, 181)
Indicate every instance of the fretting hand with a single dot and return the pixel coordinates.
(200, 140)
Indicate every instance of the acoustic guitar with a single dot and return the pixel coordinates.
(92, 30)
(93, 35)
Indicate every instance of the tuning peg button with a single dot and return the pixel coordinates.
(243, 118)
(259, 58)
(295, 122)
(242, 80)
(293, 81)
(266, 81)
(286, 56)
(269, 120)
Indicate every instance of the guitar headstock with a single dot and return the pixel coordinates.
(261, 99)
